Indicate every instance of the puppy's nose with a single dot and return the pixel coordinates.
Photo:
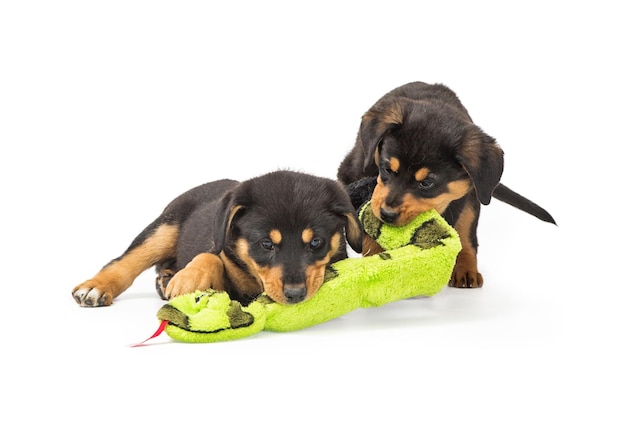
(388, 216)
(294, 293)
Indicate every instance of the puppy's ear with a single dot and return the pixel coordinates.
(483, 159)
(354, 232)
(353, 227)
(377, 121)
(227, 208)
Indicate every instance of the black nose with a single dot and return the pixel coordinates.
(388, 216)
(294, 293)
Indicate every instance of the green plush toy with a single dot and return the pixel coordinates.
(418, 261)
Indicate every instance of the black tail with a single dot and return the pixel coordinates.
(509, 196)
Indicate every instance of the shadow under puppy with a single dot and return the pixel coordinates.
(418, 149)
(274, 233)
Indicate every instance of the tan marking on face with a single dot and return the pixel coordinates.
(315, 273)
(314, 279)
(246, 282)
(394, 164)
(276, 237)
(335, 243)
(411, 206)
(421, 174)
(272, 279)
(307, 236)
(378, 196)
(268, 278)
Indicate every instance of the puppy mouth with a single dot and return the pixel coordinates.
(408, 209)
(294, 291)
(388, 215)
(286, 293)
(396, 217)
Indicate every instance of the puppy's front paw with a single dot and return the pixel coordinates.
(92, 294)
(191, 279)
(465, 279)
(465, 274)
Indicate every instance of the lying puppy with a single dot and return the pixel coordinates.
(421, 150)
(274, 233)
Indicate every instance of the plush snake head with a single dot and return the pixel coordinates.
(423, 233)
(209, 315)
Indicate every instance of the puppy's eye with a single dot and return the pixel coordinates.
(267, 244)
(315, 243)
(426, 183)
(388, 171)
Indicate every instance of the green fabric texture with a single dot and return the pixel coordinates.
(417, 261)
(211, 316)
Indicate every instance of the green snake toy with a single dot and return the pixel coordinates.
(417, 261)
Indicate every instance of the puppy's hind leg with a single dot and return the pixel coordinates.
(155, 244)
(165, 272)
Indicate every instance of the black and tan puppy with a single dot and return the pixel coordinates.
(274, 233)
(421, 150)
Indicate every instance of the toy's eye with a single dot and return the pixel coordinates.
(267, 244)
(426, 183)
(315, 243)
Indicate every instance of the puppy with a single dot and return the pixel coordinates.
(274, 233)
(421, 150)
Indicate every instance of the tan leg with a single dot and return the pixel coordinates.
(465, 273)
(119, 274)
(205, 271)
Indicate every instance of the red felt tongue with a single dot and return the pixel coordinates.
(156, 334)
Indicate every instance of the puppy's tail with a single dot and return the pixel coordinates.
(512, 198)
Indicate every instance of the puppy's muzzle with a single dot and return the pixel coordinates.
(294, 293)
(388, 216)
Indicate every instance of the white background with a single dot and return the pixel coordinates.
(108, 110)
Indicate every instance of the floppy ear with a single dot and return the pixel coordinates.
(376, 122)
(353, 228)
(226, 211)
(354, 232)
(483, 159)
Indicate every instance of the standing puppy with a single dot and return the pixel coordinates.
(421, 150)
(275, 233)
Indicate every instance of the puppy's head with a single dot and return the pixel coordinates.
(284, 228)
(428, 155)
